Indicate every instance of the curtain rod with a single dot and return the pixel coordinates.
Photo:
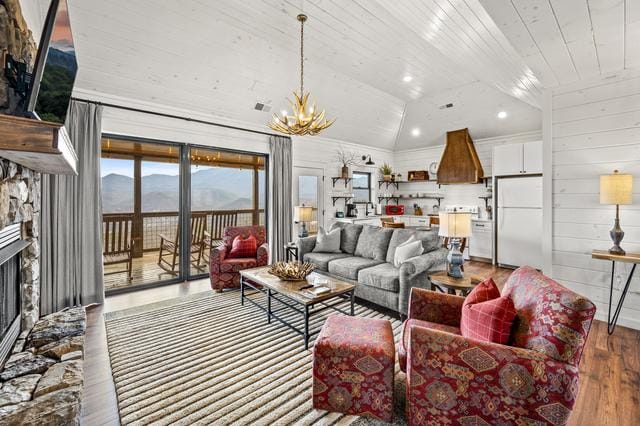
(177, 117)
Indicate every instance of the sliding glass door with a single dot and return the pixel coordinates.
(145, 198)
(227, 189)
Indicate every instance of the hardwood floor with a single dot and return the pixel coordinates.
(609, 381)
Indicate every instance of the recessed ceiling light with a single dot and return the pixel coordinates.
(502, 114)
(407, 78)
(415, 132)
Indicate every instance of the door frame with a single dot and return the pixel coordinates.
(295, 200)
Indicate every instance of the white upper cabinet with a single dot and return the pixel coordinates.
(532, 157)
(517, 159)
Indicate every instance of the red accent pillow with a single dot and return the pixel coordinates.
(244, 247)
(487, 316)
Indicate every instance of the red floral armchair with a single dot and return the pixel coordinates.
(534, 380)
(224, 272)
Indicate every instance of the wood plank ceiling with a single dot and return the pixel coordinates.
(218, 59)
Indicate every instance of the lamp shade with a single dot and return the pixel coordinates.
(456, 225)
(616, 188)
(304, 213)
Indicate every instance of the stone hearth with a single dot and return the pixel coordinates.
(42, 380)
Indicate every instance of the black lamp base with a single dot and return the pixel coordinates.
(617, 234)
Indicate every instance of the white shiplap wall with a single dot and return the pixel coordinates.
(419, 159)
(595, 129)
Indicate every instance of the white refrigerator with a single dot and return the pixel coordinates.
(519, 221)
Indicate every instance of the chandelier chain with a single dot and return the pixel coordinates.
(301, 57)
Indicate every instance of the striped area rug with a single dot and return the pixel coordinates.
(205, 359)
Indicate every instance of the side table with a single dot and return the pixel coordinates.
(290, 252)
(447, 284)
(626, 258)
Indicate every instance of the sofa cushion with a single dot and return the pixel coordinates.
(328, 242)
(243, 248)
(384, 276)
(350, 266)
(348, 236)
(321, 260)
(406, 251)
(374, 242)
(430, 241)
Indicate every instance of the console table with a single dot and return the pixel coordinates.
(625, 258)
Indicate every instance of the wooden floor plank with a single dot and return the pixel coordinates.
(609, 371)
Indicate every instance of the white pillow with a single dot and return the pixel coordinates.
(328, 242)
(407, 250)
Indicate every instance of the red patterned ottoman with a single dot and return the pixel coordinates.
(353, 367)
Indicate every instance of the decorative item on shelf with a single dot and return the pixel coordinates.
(417, 210)
(303, 120)
(616, 189)
(339, 214)
(304, 214)
(347, 159)
(393, 177)
(385, 171)
(291, 271)
(455, 225)
(417, 175)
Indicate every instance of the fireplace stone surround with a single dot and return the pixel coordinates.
(41, 381)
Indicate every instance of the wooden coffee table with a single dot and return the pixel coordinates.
(289, 295)
(449, 284)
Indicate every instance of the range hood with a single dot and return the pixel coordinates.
(459, 162)
(38, 145)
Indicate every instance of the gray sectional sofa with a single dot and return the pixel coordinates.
(366, 259)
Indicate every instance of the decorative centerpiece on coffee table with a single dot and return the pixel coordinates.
(291, 271)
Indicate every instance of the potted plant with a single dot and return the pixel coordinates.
(346, 159)
(386, 171)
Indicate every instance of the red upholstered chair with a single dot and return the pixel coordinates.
(224, 272)
(534, 380)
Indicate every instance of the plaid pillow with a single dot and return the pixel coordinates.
(487, 316)
(243, 248)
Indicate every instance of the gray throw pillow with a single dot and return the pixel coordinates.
(373, 242)
(328, 242)
(407, 250)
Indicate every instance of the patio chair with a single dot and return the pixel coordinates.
(212, 239)
(169, 248)
(117, 243)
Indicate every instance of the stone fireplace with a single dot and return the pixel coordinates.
(19, 230)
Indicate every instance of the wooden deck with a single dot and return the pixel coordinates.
(145, 271)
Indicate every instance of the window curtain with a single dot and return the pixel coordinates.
(71, 235)
(280, 206)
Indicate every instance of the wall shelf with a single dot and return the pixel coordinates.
(423, 198)
(340, 197)
(336, 179)
(387, 183)
(387, 199)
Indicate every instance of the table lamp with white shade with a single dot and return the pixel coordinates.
(616, 189)
(455, 225)
(303, 214)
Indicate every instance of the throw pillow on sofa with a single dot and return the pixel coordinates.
(373, 242)
(244, 247)
(407, 250)
(328, 242)
(487, 316)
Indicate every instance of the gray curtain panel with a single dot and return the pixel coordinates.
(280, 206)
(71, 235)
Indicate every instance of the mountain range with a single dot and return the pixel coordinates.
(211, 189)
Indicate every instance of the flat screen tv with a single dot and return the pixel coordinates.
(40, 64)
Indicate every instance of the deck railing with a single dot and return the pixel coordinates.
(166, 223)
